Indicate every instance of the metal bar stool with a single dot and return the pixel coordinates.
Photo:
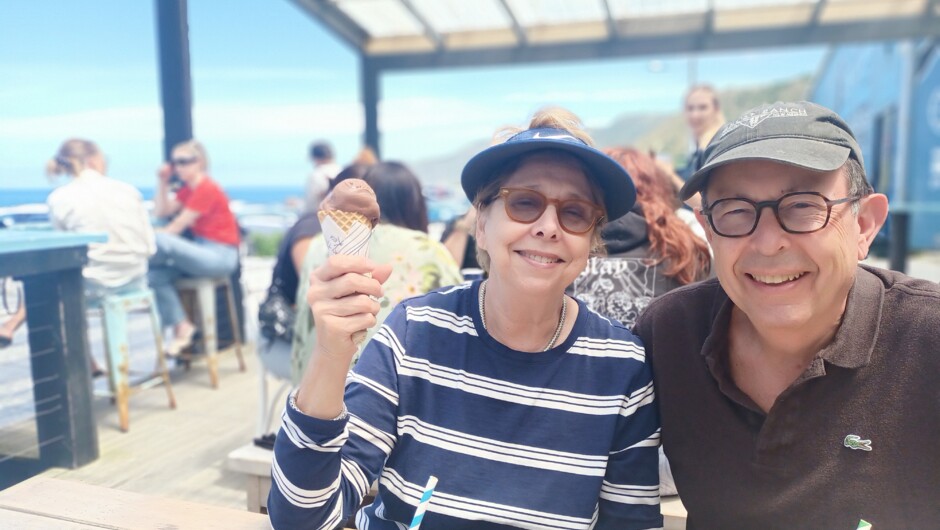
(204, 289)
(114, 311)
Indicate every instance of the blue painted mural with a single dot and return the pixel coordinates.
(864, 84)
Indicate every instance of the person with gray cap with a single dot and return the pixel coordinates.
(531, 410)
(800, 389)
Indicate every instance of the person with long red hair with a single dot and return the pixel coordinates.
(650, 250)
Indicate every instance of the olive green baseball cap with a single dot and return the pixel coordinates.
(801, 134)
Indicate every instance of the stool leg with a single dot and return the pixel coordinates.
(236, 324)
(161, 359)
(206, 299)
(115, 328)
(112, 374)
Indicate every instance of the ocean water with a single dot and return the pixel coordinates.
(443, 203)
(249, 194)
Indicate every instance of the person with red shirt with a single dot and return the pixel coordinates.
(201, 207)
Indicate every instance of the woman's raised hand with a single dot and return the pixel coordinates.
(164, 173)
(343, 298)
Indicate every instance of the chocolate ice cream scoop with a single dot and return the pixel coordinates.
(355, 196)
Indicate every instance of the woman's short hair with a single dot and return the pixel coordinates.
(195, 147)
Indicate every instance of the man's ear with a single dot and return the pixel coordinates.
(872, 213)
(702, 220)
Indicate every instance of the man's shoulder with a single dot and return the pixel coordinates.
(694, 298)
(902, 286)
(113, 185)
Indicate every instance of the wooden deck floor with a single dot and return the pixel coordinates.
(179, 453)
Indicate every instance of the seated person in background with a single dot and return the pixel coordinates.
(799, 388)
(650, 250)
(16, 316)
(458, 239)
(201, 207)
(324, 171)
(92, 202)
(277, 313)
(531, 410)
(401, 238)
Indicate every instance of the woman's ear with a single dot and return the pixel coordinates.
(479, 231)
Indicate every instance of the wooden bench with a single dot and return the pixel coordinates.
(255, 463)
(53, 503)
(674, 514)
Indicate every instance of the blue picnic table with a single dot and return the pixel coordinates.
(49, 263)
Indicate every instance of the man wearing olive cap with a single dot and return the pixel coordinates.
(801, 388)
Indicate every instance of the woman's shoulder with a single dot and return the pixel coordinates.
(396, 243)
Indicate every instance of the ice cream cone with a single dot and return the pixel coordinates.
(345, 232)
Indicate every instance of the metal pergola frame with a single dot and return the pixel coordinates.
(610, 37)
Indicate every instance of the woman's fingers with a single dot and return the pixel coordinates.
(164, 172)
(382, 272)
(343, 298)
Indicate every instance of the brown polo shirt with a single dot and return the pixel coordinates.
(807, 463)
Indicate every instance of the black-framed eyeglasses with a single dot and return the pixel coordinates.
(575, 216)
(185, 161)
(800, 212)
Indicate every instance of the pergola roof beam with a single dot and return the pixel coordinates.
(429, 30)
(612, 26)
(340, 23)
(516, 27)
(668, 44)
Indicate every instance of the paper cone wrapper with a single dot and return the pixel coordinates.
(345, 232)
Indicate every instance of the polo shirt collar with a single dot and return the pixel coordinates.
(855, 340)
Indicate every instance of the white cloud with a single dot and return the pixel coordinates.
(266, 74)
(417, 113)
(138, 122)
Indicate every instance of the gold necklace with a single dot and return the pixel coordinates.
(558, 328)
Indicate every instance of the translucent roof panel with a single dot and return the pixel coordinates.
(722, 5)
(625, 9)
(382, 18)
(847, 10)
(454, 16)
(423, 33)
(531, 13)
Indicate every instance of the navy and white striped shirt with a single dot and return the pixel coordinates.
(563, 439)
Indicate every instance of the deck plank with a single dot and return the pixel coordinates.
(178, 453)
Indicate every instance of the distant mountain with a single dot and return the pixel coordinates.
(445, 170)
(666, 133)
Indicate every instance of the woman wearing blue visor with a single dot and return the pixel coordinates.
(531, 411)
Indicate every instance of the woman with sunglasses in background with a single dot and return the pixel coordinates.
(530, 410)
(200, 210)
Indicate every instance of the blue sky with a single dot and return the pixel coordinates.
(268, 79)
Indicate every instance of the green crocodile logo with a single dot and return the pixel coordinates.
(854, 441)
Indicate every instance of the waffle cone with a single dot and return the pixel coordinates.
(345, 232)
(344, 220)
